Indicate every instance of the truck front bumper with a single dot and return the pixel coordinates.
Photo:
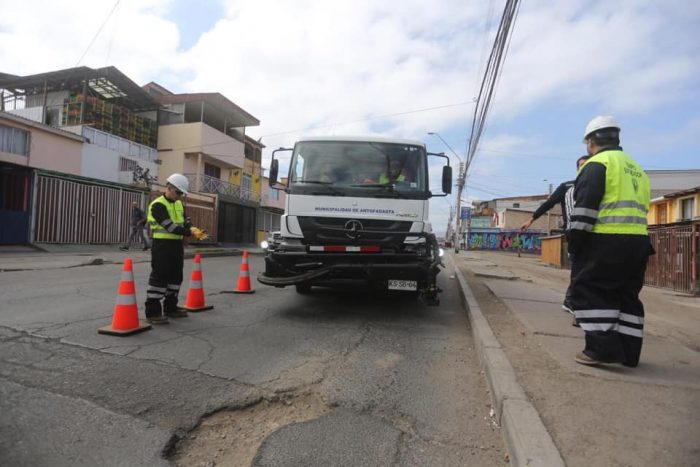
(283, 269)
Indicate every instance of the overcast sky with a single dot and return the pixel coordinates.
(402, 69)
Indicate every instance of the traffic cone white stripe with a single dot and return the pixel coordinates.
(195, 284)
(245, 274)
(126, 299)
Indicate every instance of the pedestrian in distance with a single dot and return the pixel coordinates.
(138, 225)
(609, 241)
(563, 195)
(169, 225)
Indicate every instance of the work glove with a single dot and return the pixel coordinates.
(199, 234)
(188, 223)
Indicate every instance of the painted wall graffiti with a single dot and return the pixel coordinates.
(507, 241)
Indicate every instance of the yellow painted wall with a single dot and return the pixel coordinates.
(173, 142)
(673, 209)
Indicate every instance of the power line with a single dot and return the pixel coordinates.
(491, 75)
(371, 117)
(99, 30)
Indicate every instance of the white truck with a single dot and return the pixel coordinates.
(356, 210)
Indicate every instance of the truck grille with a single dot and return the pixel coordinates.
(349, 231)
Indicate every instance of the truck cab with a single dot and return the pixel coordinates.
(357, 209)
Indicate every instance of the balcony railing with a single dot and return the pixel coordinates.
(208, 184)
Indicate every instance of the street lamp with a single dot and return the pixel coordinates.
(460, 186)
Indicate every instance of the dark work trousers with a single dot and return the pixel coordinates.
(167, 260)
(137, 231)
(606, 278)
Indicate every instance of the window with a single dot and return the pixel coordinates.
(687, 208)
(274, 194)
(212, 170)
(245, 187)
(14, 140)
(516, 205)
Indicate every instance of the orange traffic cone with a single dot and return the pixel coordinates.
(126, 314)
(195, 294)
(243, 278)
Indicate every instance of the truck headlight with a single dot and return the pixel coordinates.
(442, 252)
(264, 244)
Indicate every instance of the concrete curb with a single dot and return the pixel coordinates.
(527, 440)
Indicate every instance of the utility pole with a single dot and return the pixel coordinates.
(460, 186)
(549, 229)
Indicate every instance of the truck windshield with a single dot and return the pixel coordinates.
(358, 168)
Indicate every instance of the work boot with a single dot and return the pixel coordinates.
(154, 312)
(158, 319)
(584, 359)
(172, 310)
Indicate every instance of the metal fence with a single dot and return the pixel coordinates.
(675, 264)
(71, 211)
(208, 184)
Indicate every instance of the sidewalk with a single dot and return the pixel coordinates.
(608, 415)
(58, 256)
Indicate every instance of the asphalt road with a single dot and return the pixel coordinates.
(337, 377)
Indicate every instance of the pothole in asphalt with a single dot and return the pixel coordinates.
(232, 437)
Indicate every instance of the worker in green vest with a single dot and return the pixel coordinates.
(609, 242)
(166, 218)
(398, 171)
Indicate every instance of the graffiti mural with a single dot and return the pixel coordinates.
(527, 242)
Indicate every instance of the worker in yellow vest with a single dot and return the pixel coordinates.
(166, 218)
(610, 245)
(398, 171)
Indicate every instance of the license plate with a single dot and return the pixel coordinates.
(395, 284)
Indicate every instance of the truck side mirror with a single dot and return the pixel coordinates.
(274, 170)
(447, 179)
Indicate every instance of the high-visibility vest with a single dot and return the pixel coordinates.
(176, 211)
(624, 207)
(385, 179)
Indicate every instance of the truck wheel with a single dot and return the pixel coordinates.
(303, 289)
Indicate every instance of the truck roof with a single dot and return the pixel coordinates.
(368, 138)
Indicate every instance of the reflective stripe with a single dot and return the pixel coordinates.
(597, 313)
(156, 295)
(127, 276)
(631, 318)
(153, 288)
(167, 222)
(126, 299)
(578, 225)
(624, 204)
(599, 326)
(175, 287)
(584, 212)
(622, 220)
(195, 284)
(245, 274)
(630, 331)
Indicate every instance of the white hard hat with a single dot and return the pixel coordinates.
(598, 123)
(180, 182)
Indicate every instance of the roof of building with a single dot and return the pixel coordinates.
(214, 99)
(678, 194)
(107, 82)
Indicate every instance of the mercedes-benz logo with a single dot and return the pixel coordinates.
(353, 227)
